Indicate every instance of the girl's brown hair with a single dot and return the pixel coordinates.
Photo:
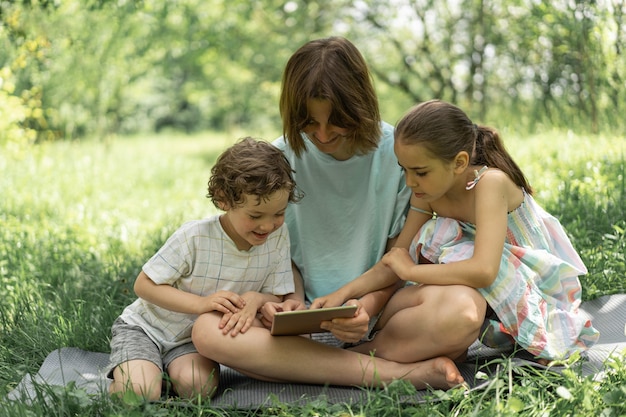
(250, 167)
(330, 69)
(445, 130)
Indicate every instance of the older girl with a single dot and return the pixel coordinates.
(482, 228)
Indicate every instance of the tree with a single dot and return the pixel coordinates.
(99, 67)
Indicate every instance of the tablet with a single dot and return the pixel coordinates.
(307, 321)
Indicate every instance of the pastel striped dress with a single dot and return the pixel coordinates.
(536, 294)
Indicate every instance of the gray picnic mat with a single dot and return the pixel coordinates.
(84, 369)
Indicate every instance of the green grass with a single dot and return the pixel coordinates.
(77, 221)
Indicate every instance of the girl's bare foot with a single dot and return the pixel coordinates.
(445, 373)
(438, 373)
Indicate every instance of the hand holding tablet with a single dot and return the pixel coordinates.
(307, 321)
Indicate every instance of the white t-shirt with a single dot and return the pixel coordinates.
(350, 209)
(202, 259)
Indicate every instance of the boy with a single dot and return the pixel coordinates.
(232, 263)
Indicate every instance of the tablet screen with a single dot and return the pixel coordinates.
(307, 321)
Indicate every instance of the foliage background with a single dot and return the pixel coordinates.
(78, 219)
(89, 190)
(79, 68)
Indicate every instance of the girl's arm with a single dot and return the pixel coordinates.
(173, 299)
(379, 277)
(375, 287)
(491, 203)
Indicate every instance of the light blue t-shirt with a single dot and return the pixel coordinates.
(350, 209)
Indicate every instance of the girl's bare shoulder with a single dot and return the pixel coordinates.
(496, 180)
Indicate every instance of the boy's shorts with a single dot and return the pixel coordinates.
(130, 342)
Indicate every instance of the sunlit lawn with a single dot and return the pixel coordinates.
(77, 221)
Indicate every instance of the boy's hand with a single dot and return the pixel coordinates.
(224, 302)
(269, 309)
(238, 322)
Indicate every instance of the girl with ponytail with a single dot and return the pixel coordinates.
(477, 225)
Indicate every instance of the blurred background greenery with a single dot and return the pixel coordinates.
(113, 111)
(99, 68)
